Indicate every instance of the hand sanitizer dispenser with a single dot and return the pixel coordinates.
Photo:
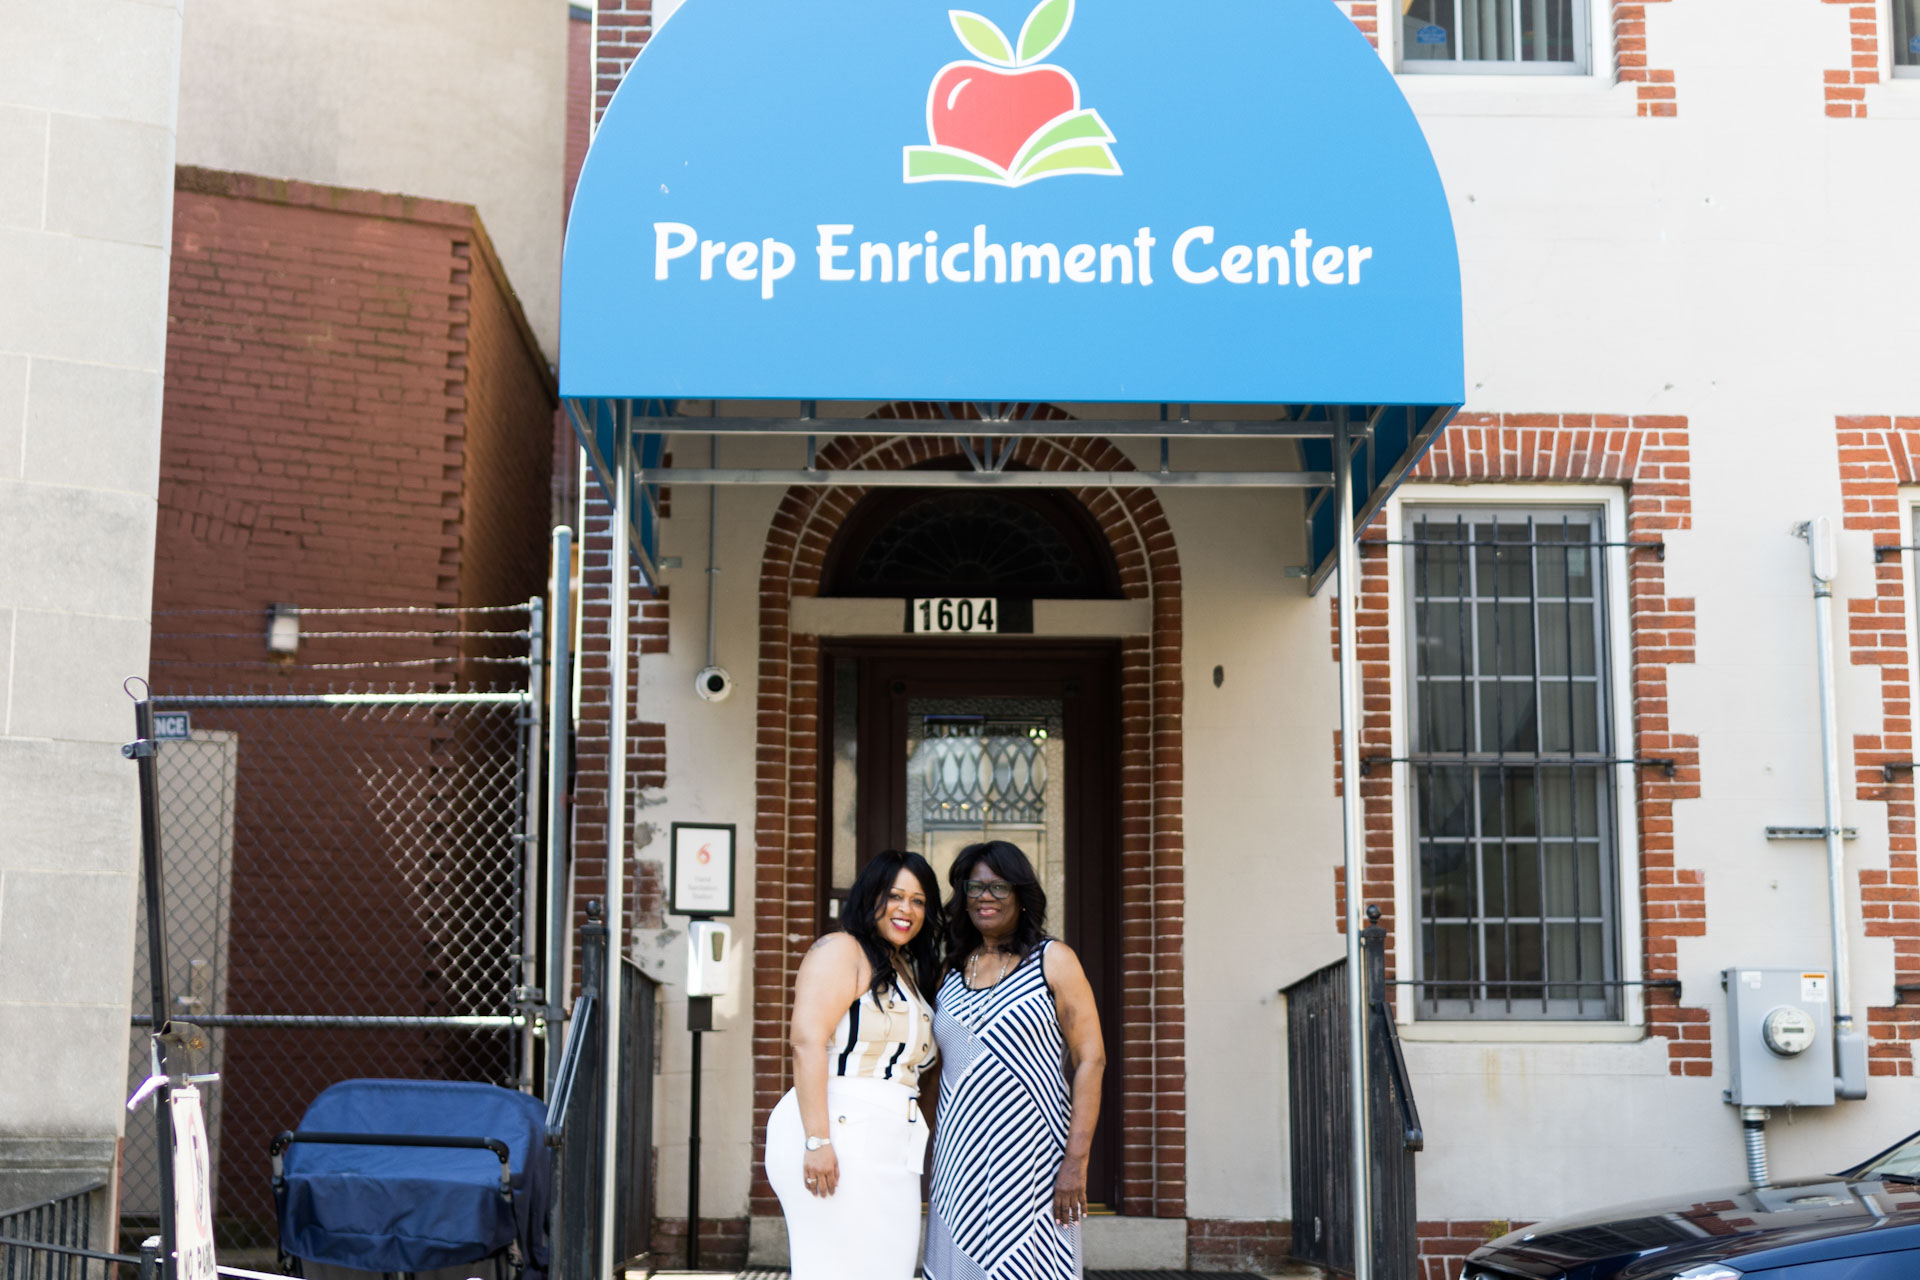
(709, 957)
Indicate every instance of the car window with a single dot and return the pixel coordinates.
(1903, 1161)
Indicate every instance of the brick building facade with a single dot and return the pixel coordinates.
(356, 417)
(1588, 339)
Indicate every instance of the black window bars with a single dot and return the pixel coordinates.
(1510, 715)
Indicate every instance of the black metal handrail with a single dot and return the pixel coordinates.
(1388, 1031)
(577, 1116)
(581, 1027)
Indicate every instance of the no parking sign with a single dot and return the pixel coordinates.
(192, 1188)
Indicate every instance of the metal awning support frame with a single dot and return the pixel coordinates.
(1387, 441)
(627, 548)
(1353, 842)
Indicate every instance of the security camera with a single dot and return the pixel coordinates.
(713, 684)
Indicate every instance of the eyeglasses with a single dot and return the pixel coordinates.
(998, 890)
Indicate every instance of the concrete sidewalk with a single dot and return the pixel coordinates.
(1301, 1272)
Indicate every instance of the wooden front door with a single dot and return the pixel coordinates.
(933, 746)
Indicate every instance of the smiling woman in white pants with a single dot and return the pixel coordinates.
(846, 1145)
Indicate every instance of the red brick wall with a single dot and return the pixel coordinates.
(1256, 1246)
(594, 72)
(353, 416)
(506, 460)
(1649, 458)
(1151, 1055)
(346, 418)
(1846, 88)
(580, 95)
(625, 26)
(646, 741)
(1366, 16)
(1877, 456)
(1653, 87)
(1444, 1245)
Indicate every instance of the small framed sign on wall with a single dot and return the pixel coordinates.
(700, 875)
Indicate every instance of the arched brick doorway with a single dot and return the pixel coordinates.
(1150, 1114)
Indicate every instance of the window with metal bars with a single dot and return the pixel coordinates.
(1906, 37)
(1511, 763)
(1495, 36)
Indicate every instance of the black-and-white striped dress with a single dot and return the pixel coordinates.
(1000, 1133)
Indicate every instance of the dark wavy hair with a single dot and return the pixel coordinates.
(860, 916)
(1010, 864)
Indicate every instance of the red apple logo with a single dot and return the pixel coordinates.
(1007, 118)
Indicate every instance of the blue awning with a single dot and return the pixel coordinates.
(1224, 204)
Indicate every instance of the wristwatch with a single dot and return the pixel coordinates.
(814, 1144)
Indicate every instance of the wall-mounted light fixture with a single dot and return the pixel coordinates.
(283, 629)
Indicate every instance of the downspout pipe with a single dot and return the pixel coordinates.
(1849, 1046)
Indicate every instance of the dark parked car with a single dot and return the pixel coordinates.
(1863, 1224)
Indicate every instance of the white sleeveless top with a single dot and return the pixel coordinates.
(886, 1039)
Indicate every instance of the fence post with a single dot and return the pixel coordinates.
(529, 994)
(593, 978)
(558, 845)
(141, 751)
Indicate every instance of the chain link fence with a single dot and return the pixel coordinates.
(347, 880)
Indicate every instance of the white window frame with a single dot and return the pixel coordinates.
(1588, 39)
(1910, 565)
(1612, 502)
(1894, 70)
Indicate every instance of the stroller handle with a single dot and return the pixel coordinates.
(288, 1137)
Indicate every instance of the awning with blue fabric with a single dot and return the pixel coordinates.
(1172, 221)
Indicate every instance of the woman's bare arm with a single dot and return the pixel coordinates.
(831, 977)
(1080, 1025)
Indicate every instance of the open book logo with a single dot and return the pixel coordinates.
(1009, 119)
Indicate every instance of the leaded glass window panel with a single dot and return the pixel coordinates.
(991, 768)
(1511, 763)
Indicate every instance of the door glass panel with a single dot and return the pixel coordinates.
(989, 769)
(843, 825)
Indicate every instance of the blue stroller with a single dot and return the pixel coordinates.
(411, 1177)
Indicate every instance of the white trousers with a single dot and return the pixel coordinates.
(869, 1229)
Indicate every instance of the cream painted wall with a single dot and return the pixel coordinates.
(710, 778)
(451, 99)
(86, 207)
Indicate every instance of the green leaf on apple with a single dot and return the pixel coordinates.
(984, 40)
(1092, 157)
(1044, 29)
(1077, 126)
(926, 164)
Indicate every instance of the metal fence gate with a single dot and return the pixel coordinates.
(350, 886)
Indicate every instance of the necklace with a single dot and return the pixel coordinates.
(972, 1024)
(973, 962)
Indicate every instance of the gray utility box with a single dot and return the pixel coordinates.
(1780, 1031)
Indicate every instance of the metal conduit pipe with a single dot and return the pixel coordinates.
(1848, 1046)
(1753, 1124)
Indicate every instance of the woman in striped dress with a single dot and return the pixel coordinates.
(846, 1145)
(1015, 1015)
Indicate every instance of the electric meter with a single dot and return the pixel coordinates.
(1788, 1031)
